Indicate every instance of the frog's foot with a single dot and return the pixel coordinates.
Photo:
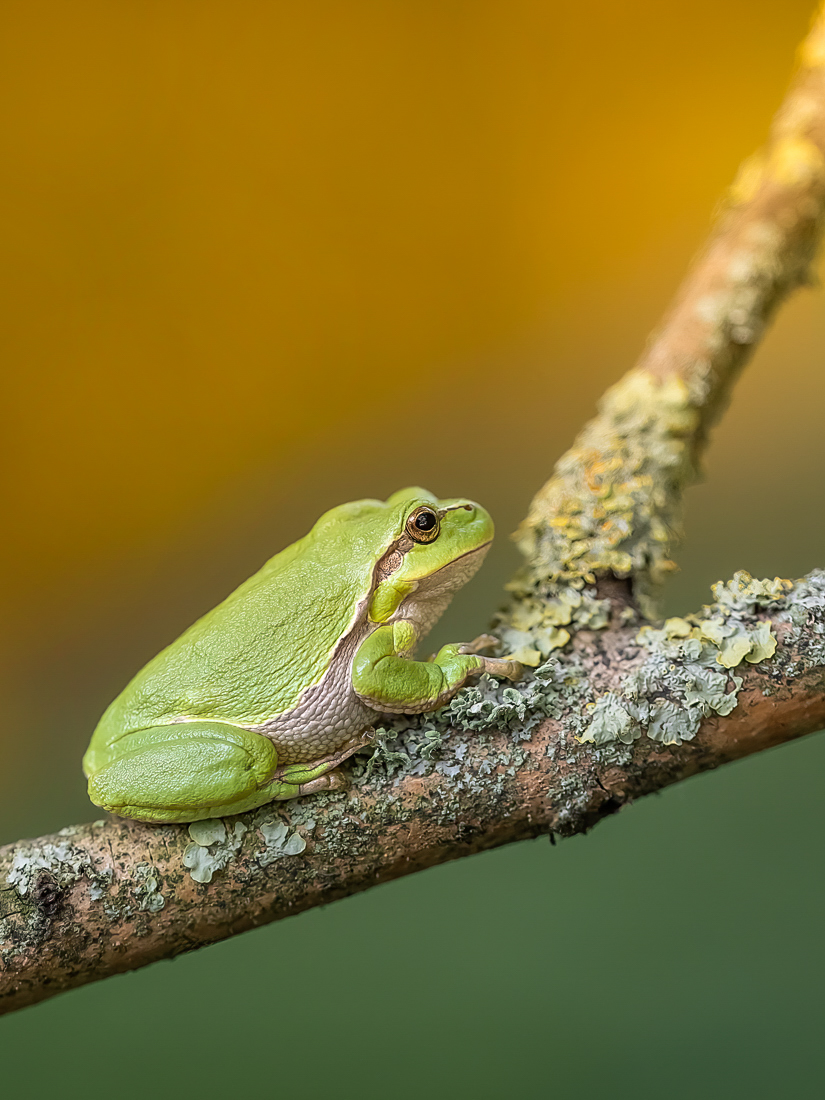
(483, 641)
(317, 775)
(303, 773)
(505, 670)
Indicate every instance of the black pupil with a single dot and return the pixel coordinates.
(425, 521)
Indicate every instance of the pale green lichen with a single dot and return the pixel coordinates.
(612, 506)
(278, 841)
(216, 843)
(210, 831)
(213, 847)
(612, 720)
(744, 592)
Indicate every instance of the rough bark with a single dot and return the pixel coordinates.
(612, 713)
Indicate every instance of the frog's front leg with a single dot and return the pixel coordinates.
(386, 679)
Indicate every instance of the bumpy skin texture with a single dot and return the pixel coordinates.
(265, 695)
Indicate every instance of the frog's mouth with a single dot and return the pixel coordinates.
(455, 574)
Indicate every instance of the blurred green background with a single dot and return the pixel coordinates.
(263, 257)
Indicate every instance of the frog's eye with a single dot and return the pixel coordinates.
(423, 525)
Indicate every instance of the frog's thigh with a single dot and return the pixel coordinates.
(185, 772)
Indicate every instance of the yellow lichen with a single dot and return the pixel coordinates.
(812, 51)
(795, 161)
(612, 506)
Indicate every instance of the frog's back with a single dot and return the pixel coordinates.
(251, 657)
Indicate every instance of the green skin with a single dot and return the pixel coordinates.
(266, 694)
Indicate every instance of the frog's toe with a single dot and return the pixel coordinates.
(506, 670)
(483, 641)
(332, 781)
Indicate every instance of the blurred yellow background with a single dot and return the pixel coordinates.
(262, 257)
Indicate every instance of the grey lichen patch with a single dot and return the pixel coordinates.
(213, 847)
(40, 875)
(421, 745)
(64, 862)
(686, 675)
(806, 614)
(147, 890)
(613, 505)
(548, 692)
(407, 745)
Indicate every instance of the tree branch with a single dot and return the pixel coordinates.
(612, 713)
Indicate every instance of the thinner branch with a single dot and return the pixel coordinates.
(613, 504)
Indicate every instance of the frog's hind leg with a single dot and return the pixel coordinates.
(318, 775)
(186, 771)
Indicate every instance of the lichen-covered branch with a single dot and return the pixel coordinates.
(613, 504)
(618, 714)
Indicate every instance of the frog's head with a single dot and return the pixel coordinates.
(438, 545)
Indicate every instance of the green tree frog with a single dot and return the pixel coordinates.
(269, 692)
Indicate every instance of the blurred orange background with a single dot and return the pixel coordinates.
(263, 257)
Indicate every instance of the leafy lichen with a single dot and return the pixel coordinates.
(216, 843)
(278, 841)
(419, 745)
(612, 720)
(535, 626)
(686, 674)
(213, 847)
(806, 614)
